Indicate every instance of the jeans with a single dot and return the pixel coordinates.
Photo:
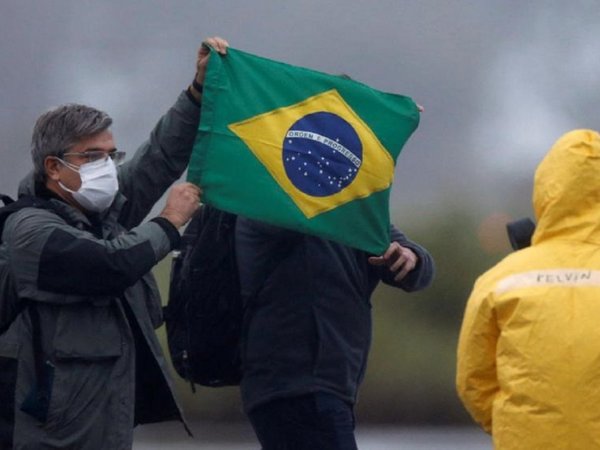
(318, 421)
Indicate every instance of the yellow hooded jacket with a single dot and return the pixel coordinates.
(529, 347)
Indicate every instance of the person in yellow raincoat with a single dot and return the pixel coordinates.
(529, 349)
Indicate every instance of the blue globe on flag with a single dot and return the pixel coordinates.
(322, 154)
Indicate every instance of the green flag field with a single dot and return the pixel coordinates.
(300, 149)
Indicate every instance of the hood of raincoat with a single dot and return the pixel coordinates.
(566, 194)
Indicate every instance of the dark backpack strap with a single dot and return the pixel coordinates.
(12, 207)
(19, 309)
(28, 201)
(36, 337)
(37, 401)
(6, 199)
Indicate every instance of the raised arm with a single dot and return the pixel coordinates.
(53, 261)
(162, 159)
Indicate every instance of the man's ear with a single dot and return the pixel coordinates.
(52, 167)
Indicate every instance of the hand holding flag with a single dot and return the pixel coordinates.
(220, 46)
(400, 260)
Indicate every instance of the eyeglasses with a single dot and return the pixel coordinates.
(98, 155)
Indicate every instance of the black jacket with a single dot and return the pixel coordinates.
(307, 325)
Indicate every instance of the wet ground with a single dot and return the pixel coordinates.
(220, 436)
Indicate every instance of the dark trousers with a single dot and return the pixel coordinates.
(317, 421)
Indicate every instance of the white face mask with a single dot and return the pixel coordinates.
(99, 184)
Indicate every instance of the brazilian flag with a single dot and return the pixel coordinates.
(299, 148)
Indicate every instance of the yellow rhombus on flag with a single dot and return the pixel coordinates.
(265, 136)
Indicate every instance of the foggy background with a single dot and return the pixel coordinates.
(500, 81)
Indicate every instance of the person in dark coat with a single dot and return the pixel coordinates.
(307, 329)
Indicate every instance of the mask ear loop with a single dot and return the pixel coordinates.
(68, 165)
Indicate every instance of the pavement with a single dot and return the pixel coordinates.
(239, 436)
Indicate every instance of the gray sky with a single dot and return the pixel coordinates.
(500, 79)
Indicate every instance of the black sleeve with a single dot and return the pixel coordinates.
(418, 278)
(77, 266)
(170, 230)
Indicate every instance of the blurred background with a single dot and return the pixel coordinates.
(500, 82)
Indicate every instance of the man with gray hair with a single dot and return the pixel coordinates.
(86, 362)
